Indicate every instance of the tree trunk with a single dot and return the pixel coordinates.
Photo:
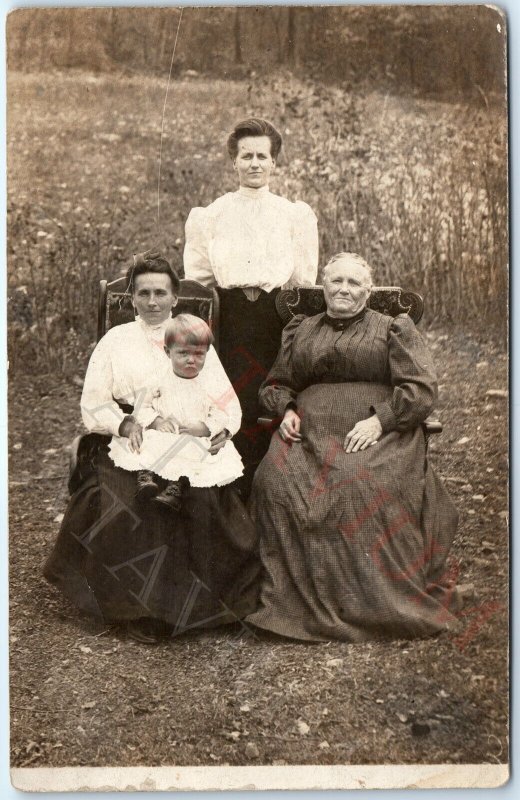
(237, 37)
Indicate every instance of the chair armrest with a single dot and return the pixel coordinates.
(73, 458)
(83, 457)
(432, 425)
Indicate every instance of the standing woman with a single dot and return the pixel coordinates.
(249, 244)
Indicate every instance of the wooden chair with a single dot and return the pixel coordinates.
(390, 300)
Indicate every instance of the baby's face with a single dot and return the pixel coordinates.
(187, 359)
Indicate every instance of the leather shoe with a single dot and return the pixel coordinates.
(171, 496)
(146, 485)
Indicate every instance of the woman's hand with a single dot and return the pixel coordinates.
(197, 429)
(289, 428)
(168, 425)
(130, 429)
(365, 433)
(218, 441)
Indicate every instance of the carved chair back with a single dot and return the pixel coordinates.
(115, 305)
(391, 300)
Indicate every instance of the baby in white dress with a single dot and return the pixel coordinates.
(177, 444)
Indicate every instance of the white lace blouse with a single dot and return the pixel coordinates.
(129, 364)
(252, 238)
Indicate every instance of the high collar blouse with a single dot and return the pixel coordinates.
(252, 238)
(129, 365)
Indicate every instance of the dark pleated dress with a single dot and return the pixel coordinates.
(118, 560)
(354, 546)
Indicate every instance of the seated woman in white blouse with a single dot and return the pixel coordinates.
(249, 244)
(159, 572)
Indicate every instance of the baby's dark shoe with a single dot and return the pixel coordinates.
(146, 485)
(171, 496)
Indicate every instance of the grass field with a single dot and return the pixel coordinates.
(83, 174)
(406, 183)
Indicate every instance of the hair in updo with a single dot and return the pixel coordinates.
(254, 126)
(147, 262)
(187, 329)
(354, 259)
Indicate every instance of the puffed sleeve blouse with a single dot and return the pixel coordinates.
(129, 365)
(252, 238)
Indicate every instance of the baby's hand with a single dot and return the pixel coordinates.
(168, 425)
(197, 429)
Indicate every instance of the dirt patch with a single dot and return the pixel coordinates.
(82, 694)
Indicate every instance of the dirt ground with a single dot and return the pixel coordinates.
(82, 694)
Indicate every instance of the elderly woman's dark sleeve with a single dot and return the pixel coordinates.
(281, 387)
(413, 378)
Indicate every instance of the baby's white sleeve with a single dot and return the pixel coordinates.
(221, 393)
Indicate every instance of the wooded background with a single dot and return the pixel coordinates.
(441, 51)
(395, 132)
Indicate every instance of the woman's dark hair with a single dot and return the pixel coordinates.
(147, 262)
(255, 126)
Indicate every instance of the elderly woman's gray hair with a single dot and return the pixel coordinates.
(352, 258)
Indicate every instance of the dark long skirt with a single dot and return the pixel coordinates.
(250, 336)
(121, 561)
(354, 546)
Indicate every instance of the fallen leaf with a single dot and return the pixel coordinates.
(324, 745)
(303, 728)
(85, 649)
(252, 750)
(463, 440)
(334, 662)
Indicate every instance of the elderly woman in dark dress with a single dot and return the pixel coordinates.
(355, 526)
(157, 571)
